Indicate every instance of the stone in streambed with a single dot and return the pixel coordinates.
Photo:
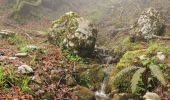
(84, 93)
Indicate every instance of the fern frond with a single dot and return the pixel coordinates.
(157, 73)
(120, 75)
(136, 78)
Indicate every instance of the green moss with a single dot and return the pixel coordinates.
(90, 78)
(155, 47)
(129, 58)
(127, 45)
(66, 24)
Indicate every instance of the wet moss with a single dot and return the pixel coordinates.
(90, 78)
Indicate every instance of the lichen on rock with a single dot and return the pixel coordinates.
(73, 33)
(150, 23)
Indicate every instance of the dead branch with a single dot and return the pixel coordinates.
(161, 37)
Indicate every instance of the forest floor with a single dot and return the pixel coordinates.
(45, 64)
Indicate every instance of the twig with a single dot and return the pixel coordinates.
(59, 81)
(161, 37)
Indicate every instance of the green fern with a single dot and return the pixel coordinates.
(124, 72)
(136, 78)
(157, 73)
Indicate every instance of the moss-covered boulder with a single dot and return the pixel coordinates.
(73, 33)
(84, 93)
(90, 76)
(150, 23)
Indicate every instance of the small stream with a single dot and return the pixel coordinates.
(100, 94)
(107, 57)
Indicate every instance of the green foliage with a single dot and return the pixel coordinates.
(18, 41)
(136, 79)
(130, 57)
(12, 77)
(9, 78)
(157, 73)
(1, 76)
(24, 84)
(73, 58)
(155, 46)
(119, 82)
(143, 75)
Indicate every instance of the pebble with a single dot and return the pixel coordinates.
(32, 47)
(25, 69)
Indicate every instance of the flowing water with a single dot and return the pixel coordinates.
(101, 93)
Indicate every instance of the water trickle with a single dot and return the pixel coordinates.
(106, 59)
(101, 95)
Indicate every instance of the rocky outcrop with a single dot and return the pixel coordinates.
(150, 23)
(73, 33)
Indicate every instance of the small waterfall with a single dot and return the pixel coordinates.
(101, 95)
(107, 58)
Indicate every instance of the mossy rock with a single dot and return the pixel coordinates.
(73, 33)
(90, 78)
(84, 93)
(150, 23)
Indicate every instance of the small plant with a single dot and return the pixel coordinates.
(2, 76)
(144, 77)
(73, 58)
(18, 41)
(24, 84)
(11, 76)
